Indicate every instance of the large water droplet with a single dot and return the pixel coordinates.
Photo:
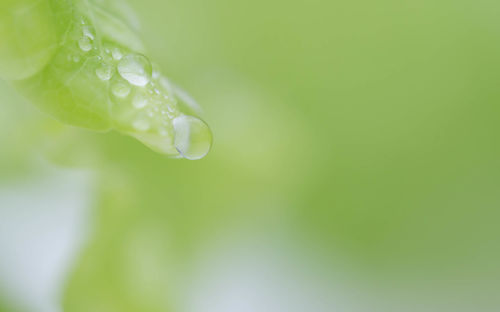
(193, 137)
(85, 44)
(136, 69)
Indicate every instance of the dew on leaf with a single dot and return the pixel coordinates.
(136, 69)
(193, 138)
(85, 44)
(117, 54)
(88, 33)
(121, 89)
(139, 101)
(104, 72)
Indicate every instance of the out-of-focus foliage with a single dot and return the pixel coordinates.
(361, 134)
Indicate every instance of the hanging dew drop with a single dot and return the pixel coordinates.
(136, 69)
(85, 44)
(193, 138)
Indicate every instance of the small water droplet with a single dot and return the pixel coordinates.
(156, 71)
(85, 44)
(139, 101)
(76, 59)
(117, 54)
(141, 125)
(88, 33)
(121, 89)
(104, 72)
(193, 138)
(136, 69)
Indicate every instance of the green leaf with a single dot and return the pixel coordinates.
(89, 68)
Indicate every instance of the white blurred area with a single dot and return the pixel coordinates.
(43, 225)
(248, 275)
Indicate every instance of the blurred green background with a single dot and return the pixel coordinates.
(356, 164)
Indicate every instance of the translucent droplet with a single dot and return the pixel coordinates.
(121, 89)
(136, 69)
(139, 101)
(156, 74)
(104, 72)
(193, 138)
(88, 33)
(85, 44)
(76, 59)
(141, 125)
(117, 54)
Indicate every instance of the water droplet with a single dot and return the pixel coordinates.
(139, 101)
(85, 44)
(88, 33)
(76, 59)
(136, 69)
(141, 125)
(117, 54)
(193, 138)
(104, 72)
(121, 89)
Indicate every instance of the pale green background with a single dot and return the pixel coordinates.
(361, 135)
